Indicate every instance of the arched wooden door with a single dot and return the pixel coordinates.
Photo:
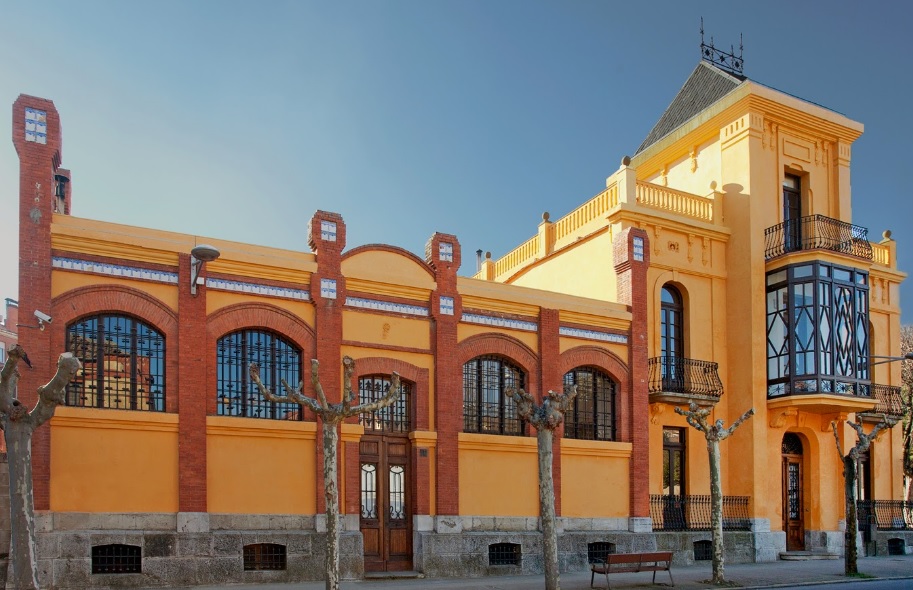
(793, 499)
(386, 505)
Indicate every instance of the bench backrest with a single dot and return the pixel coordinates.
(639, 557)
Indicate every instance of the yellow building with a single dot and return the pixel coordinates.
(720, 265)
(759, 286)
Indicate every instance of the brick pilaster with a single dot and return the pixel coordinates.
(37, 138)
(632, 258)
(327, 239)
(550, 379)
(192, 391)
(442, 253)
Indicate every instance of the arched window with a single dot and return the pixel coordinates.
(395, 417)
(592, 415)
(123, 364)
(278, 359)
(672, 342)
(486, 407)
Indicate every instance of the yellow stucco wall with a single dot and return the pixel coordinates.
(499, 475)
(261, 466)
(594, 478)
(62, 281)
(386, 330)
(583, 269)
(113, 461)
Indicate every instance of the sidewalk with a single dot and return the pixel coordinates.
(786, 574)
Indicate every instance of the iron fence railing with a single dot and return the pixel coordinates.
(890, 402)
(672, 374)
(817, 232)
(887, 515)
(692, 513)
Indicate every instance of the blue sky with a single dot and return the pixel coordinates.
(238, 120)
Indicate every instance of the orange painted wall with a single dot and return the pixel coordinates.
(113, 461)
(594, 478)
(499, 475)
(260, 466)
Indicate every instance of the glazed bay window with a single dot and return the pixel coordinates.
(236, 393)
(486, 407)
(818, 330)
(123, 364)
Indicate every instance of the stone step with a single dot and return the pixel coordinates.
(807, 555)
(407, 575)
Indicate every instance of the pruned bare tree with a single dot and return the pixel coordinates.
(850, 475)
(332, 415)
(906, 395)
(714, 433)
(545, 419)
(18, 424)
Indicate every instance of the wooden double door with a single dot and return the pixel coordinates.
(386, 505)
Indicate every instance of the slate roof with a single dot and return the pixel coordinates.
(706, 85)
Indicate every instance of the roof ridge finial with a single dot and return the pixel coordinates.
(726, 61)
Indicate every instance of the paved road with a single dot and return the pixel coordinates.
(895, 573)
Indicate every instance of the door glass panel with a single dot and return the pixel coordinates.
(397, 493)
(793, 491)
(368, 490)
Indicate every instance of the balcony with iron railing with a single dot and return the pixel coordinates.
(817, 232)
(678, 380)
(692, 513)
(890, 404)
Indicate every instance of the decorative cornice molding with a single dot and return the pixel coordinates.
(258, 289)
(592, 335)
(388, 306)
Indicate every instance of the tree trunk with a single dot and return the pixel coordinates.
(716, 511)
(547, 510)
(850, 552)
(331, 492)
(23, 546)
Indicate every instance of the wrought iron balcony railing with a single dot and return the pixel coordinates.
(692, 513)
(887, 515)
(890, 403)
(817, 232)
(685, 378)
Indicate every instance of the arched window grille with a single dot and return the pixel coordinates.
(123, 364)
(486, 407)
(278, 359)
(592, 413)
(393, 418)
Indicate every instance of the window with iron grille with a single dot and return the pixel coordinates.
(264, 556)
(592, 413)
(504, 554)
(117, 559)
(393, 418)
(123, 364)
(237, 394)
(486, 407)
(597, 552)
(703, 551)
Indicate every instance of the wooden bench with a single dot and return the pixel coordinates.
(616, 563)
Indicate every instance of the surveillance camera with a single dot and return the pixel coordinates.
(42, 317)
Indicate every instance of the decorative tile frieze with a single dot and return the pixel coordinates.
(36, 126)
(488, 320)
(446, 305)
(328, 288)
(387, 306)
(115, 270)
(592, 335)
(255, 289)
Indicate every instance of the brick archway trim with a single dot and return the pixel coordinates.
(594, 356)
(258, 316)
(377, 365)
(503, 345)
(72, 305)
